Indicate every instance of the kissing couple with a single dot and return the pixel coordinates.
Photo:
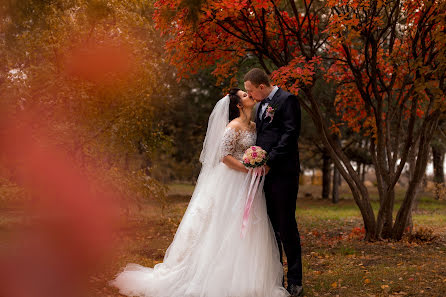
(208, 257)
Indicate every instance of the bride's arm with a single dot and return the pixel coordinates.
(233, 163)
(228, 144)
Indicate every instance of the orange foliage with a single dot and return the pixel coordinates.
(372, 49)
(378, 67)
(99, 62)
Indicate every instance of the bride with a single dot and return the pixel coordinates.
(208, 257)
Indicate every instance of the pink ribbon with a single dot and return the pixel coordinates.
(256, 176)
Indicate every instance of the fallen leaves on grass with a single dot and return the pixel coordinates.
(422, 235)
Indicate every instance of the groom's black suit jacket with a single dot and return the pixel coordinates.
(279, 136)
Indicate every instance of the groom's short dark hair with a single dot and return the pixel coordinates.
(257, 77)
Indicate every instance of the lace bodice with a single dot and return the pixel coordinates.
(236, 142)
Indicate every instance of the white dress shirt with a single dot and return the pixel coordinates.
(270, 96)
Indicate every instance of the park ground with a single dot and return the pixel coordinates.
(337, 262)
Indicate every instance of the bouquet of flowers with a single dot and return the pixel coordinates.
(254, 157)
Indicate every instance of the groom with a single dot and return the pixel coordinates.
(278, 126)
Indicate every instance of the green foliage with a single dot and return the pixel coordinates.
(184, 118)
(102, 119)
(346, 250)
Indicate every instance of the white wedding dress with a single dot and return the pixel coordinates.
(208, 257)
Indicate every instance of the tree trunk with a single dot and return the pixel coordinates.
(388, 219)
(343, 165)
(336, 178)
(363, 173)
(403, 218)
(412, 167)
(438, 163)
(326, 176)
(384, 221)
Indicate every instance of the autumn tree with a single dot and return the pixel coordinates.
(386, 57)
(390, 55)
(90, 70)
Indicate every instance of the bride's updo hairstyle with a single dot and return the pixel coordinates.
(234, 100)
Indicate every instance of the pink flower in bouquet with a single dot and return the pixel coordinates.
(254, 157)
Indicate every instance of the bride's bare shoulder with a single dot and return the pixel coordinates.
(234, 124)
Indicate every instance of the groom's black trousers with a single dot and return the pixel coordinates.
(281, 195)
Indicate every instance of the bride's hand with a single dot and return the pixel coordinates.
(233, 163)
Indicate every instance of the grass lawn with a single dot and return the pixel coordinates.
(336, 261)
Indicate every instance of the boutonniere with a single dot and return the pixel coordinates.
(270, 110)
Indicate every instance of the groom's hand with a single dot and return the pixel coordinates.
(267, 168)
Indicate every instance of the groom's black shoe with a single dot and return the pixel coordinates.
(295, 290)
